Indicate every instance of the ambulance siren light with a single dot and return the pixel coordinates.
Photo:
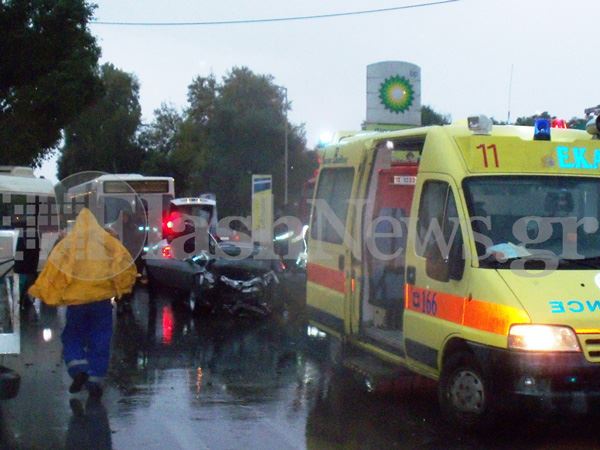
(325, 139)
(541, 131)
(593, 126)
(480, 124)
(559, 123)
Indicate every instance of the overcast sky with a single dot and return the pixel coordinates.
(465, 50)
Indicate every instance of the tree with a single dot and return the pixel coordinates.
(529, 121)
(202, 96)
(577, 123)
(173, 147)
(159, 140)
(229, 131)
(48, 74)
(431, 117)
(103, 138)
(247, 136)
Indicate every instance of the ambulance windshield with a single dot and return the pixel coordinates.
(535, 217)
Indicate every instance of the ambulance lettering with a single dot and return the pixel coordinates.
(574, 306)
(424, 301)
(577, 158)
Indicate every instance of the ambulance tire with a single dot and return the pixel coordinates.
(465, 397)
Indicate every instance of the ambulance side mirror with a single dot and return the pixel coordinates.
(437, 267)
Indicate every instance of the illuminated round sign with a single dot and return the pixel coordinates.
(396, 94)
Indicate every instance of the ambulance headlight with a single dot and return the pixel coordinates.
(542, 338)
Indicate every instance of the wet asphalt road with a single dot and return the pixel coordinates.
(179, 382)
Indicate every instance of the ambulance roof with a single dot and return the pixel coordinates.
(505, 149)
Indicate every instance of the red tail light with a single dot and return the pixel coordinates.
(169, 224)
(166, 252)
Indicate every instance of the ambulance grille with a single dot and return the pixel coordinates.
(591, 346)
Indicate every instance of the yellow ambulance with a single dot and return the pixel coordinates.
(467, 253)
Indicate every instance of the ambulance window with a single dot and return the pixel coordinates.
(333, 194)
(431, 213)
(453, 235)
(438, 213)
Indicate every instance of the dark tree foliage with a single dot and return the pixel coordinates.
(529, 121)
(577, 123)
(103, 137)
(431, 117)
(48, 74)
(230, 130)
(173, 147)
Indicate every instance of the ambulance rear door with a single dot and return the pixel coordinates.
(329, 269)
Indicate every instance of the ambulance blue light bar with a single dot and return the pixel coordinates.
(541, 131)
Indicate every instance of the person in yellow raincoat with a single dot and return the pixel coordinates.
(85, 270)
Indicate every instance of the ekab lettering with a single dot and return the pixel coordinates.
(574, 306)
(577, 158)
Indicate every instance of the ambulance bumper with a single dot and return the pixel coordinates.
(542, 375)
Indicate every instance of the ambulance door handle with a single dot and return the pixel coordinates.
(411, 275)
(341, 262)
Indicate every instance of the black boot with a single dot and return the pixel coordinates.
(94, 389)
(78, 381)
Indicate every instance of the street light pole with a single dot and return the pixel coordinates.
(285, 154)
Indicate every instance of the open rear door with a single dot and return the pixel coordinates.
(328, 270)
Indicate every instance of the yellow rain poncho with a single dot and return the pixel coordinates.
(88, 265)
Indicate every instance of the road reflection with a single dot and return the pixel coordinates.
(89, 427)
(179, 381)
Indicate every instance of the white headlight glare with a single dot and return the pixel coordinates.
(543, 338)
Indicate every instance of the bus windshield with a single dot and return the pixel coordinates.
(535, 217)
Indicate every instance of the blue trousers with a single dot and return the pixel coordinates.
(86, 339)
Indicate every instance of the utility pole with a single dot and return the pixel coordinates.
(285, 154)
(512, 68)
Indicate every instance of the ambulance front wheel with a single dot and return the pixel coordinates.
(465, 396)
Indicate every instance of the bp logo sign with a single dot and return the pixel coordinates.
(396, 94)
